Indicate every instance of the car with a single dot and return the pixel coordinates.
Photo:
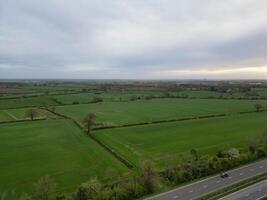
(224, 175)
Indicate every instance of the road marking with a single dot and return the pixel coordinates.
(230, 177)
(246, 195)
(191, 191)
(175, 197)
(261, 167)
(245, 167)
(241, 174)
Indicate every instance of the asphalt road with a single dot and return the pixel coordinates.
(252, 192)
(203, 187)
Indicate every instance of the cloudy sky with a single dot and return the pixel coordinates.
(135, 39)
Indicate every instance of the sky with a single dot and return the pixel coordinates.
(133, 39)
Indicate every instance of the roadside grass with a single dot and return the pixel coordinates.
(172, 141)
(30, 150)
(121, 113)
(19, 114)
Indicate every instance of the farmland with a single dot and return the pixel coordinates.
(19, 114)
(119, 113)
(159, 122)
(30, 150)
(206, 135)
(26, 102)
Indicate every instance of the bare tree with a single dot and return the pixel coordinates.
(148, 176)
(258, 107)
(88, 122)
(89, 190)
(194, 153)
(45, 188)
(31, 113)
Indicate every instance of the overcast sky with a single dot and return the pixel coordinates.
(136, 39)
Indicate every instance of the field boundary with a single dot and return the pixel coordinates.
(175, 120)
(117, 156)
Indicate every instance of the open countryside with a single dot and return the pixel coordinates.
(82, 134)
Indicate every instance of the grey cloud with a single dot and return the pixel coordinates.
(128, 38)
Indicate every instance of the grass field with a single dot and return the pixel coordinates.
(29, 150)
(19, 114)
(206, 135)
(118, 113)
(87, 97)
(26, 102)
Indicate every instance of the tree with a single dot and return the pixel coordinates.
(88, 122)
(194, 153)
(90, 190)
(45, 188)
(148, 176)
(31, 113)
(25, 196)
(258, 107)
(233, 153)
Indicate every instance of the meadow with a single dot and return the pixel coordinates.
(58, 147)
(19, 114)
(30, 150)
(105, 96)
(26, 102)
(121, 113)
(158, 141)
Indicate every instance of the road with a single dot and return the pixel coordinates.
(203, 187)
(256, 191)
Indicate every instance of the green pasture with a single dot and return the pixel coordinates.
(26, 102)
(158, 141)
(119, 113)
(107, 96)
(30, 150)
(19, 114)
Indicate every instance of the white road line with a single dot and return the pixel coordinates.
(240, 191)
(240, 174)
(261, 167)
(190, 191)
(175, 197)
(210, 178)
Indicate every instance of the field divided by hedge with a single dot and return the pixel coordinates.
(158, 141)
(142, 111)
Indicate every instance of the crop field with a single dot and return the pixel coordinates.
(88, 97)
(30, 150)
(211, 94)
(156, 141)
(26, 102)
(19, 114)
(120, 113)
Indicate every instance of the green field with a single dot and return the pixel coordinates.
(87, 97)
(19, 114)
(30, 150)
(26, 102)
(118, 113)
(206, 135)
